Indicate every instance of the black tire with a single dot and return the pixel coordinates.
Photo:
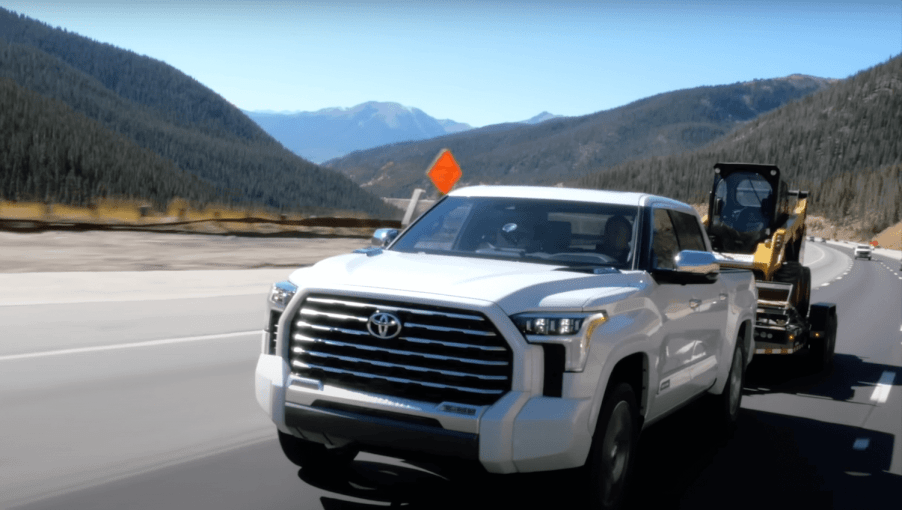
(613, 448)
(307, 454)
(821, 350)
(805, 292)
(725, 407)
(800, 276)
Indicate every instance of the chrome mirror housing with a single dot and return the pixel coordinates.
(384, 236)
(697, 262)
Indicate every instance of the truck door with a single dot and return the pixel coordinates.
(708, 302)
(693, 315)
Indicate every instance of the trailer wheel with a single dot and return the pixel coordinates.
(805, 292)
(307, 454)
(821, 351)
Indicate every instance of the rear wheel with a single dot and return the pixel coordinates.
(307, 454)
(612, 451)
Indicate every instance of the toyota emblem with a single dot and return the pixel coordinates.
(384, 325)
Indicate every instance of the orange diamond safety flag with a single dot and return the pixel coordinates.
(444, 172)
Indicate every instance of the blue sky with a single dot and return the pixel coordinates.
(483, 62)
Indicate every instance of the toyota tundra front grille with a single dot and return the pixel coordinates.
(421, 352)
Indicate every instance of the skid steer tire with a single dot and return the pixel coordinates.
(800, 277)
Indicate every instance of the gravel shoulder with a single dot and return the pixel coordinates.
(63, 251)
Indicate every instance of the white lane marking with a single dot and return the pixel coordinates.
(861, 443)
(824, 285)
(149, 343)
(881, 391)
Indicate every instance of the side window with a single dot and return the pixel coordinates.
(664, 241)
(688, 231)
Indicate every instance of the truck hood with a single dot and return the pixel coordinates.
(514, 286)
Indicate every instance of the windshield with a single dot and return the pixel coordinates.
(743, 201)
(544, 231)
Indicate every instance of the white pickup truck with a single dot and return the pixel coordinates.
(521, 328)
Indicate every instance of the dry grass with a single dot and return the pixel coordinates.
(890, 238)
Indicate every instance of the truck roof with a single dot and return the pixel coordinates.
(570, 194)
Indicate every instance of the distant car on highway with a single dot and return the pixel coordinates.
(863, 251)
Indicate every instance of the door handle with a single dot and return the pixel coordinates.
(694, 303)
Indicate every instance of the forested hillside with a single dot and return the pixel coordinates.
(843, 144)
(50, 153)
(561, 149)
(159, 109)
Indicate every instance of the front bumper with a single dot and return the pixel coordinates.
(521, 432)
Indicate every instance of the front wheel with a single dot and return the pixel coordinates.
(307, 454)
(613, 448)
(726, 405)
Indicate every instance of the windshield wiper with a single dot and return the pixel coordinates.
(591, 269)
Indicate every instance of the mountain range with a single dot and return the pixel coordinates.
(564, 148)
(331, 133)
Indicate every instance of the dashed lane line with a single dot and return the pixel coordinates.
(881, 391)
(150, 343)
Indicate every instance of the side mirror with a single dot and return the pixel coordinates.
(697, 262)
(383, 237)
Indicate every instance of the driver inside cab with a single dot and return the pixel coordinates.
(617, 234)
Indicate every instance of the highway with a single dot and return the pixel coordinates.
(136, 391)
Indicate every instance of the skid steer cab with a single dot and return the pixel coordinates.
(756, 222)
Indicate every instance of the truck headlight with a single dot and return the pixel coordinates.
(281, 293)
(279, 296)
(573, 331)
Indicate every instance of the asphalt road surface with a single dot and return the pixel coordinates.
(144, 399)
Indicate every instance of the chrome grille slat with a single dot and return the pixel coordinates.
(302, 324)
(307, 311)
(389, 308)
(447, 329)
(412, 368)
(442, 354)
(397, 379)
(397, 351)
(453, 344)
